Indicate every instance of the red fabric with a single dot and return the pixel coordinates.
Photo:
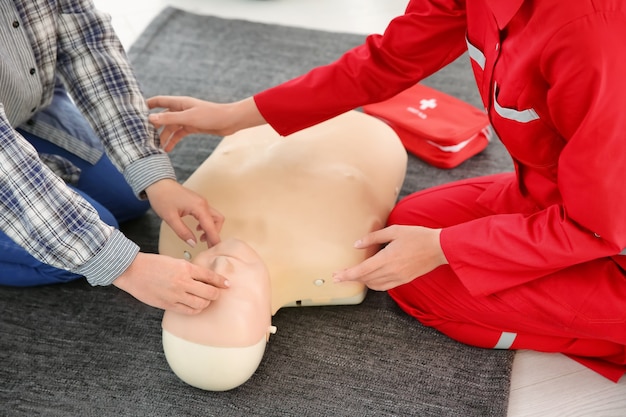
(438, 128)
(562, 312)
(383, 66)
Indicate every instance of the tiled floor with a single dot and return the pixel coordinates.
(543, 385)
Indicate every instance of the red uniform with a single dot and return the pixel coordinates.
(534, 257)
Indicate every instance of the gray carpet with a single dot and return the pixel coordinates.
(73, 350)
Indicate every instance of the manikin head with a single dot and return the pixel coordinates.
(221, 347)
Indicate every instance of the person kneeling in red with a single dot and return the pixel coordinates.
(525, 260)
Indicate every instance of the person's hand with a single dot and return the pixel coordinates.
(171, 284)
(186, 115)
(411, 251)
(171, 202)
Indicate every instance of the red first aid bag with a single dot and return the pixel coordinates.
(438, 128)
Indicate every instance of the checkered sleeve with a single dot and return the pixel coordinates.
(102, 83)
(52, 222)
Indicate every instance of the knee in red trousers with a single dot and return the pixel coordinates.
(439, 300)
(568, 312)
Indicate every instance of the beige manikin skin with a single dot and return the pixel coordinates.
(297, 204)
(302, 201)
(220, 348)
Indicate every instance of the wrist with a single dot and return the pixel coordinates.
(241, 115)
(441, 256)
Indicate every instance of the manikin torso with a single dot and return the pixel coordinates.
(302, 201)
(299, 203)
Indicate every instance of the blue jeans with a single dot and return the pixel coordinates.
(101, 184)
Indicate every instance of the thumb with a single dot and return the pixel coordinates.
(377, 237)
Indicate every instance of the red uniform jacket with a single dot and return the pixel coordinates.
(552, 79)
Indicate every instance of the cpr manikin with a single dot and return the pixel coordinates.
(300, 202)
(221, 347)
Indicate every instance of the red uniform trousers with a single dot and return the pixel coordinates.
(579, 311)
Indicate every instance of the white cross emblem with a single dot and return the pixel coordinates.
(428, 104)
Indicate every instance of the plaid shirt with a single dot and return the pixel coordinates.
(41, 40)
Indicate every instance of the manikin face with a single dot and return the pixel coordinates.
(241, 315)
